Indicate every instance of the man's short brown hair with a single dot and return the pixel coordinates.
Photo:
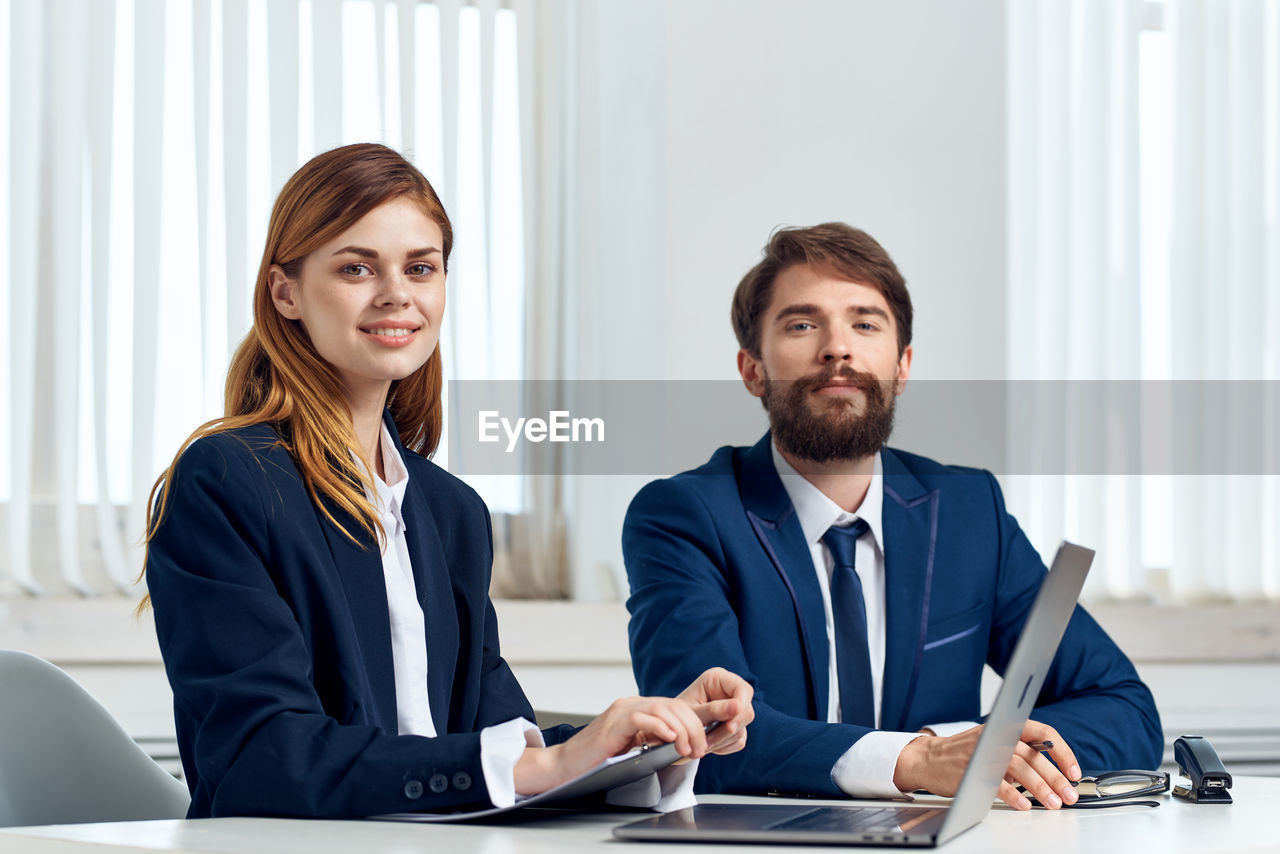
(848, 251)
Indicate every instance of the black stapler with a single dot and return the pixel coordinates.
(1207, 779)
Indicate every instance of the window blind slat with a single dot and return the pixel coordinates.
(148, 152)
(213, 349)
(235, 168)
(99, 74)
(26, 99)
(409, 50)
(326, 52)
(282, 65)
(380, 61)
(488, 9)
(527, 89)
(67, 143)
(450, 14)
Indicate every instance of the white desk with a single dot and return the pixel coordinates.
(1250, 824)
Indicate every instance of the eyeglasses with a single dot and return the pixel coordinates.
(1116, 789)
(1122, 784)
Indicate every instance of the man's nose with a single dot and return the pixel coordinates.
(838, 346)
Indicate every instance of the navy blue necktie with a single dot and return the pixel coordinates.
(853, 659)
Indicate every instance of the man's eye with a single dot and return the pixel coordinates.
(865, 326)
(801, 326)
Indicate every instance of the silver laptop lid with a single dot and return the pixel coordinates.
(1022, 680)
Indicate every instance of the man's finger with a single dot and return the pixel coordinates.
(1011, 796)
(1031, 780)
(1061, 752)
(1052, 775)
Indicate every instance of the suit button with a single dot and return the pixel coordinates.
(413, 789)
(462, 781)
(438, 783)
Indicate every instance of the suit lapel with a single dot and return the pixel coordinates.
(774, 520)
(360, 571)
(435, 594)
(910, 523)
(431, 578)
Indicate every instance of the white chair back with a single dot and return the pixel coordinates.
(65, 760)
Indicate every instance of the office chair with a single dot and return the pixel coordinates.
(64, 759)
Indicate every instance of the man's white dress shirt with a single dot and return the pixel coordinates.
(866, 768)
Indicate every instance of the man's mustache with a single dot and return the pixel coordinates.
(863, 380)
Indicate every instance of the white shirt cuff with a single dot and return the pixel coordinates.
(866, 769)
(500, 750)
(951, 728)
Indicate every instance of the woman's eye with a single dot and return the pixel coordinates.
(354, 270)
(421, 270)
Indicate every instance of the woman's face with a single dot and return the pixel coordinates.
(371, 299)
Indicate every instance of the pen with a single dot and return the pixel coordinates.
(1040, 745)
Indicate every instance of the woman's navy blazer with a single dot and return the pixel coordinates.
(277, 642)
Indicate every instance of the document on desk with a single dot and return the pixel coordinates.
(613, 773)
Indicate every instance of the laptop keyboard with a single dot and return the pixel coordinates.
(850, 819)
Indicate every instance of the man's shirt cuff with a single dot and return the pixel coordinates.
(500, 750)
(949, 729)
(866, 769)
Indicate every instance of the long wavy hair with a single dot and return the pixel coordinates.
(276, 375)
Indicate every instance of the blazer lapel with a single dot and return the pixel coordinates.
(774, 520)
(360, 571)
(910, 520)
(435, 593)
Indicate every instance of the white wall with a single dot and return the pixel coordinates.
(704, 124)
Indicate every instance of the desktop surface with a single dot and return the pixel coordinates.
(1174, 826)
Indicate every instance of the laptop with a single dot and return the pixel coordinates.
(908, 826)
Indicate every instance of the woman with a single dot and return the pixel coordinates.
(301, 547)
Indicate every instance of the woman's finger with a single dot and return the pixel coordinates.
(692, 724)
(671, 719)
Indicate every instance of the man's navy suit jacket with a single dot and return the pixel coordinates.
(721, 575)
(277, 642)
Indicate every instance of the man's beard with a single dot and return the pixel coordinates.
(835, 431)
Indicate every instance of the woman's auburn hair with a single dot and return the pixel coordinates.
(276, 375)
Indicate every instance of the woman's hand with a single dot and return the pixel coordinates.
(627, 723)
(718, 695)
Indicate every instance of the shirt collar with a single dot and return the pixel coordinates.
(389, 493)
(816, 512)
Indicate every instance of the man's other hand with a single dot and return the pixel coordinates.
(936, 764)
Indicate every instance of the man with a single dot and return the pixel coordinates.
(860, 589)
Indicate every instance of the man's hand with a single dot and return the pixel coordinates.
(937, 764)
(718, 695)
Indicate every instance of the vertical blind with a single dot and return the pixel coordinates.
(144, 141)
(1144, 256)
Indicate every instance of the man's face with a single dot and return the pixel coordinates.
(829, 369)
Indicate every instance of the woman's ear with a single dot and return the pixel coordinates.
(283, 292)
